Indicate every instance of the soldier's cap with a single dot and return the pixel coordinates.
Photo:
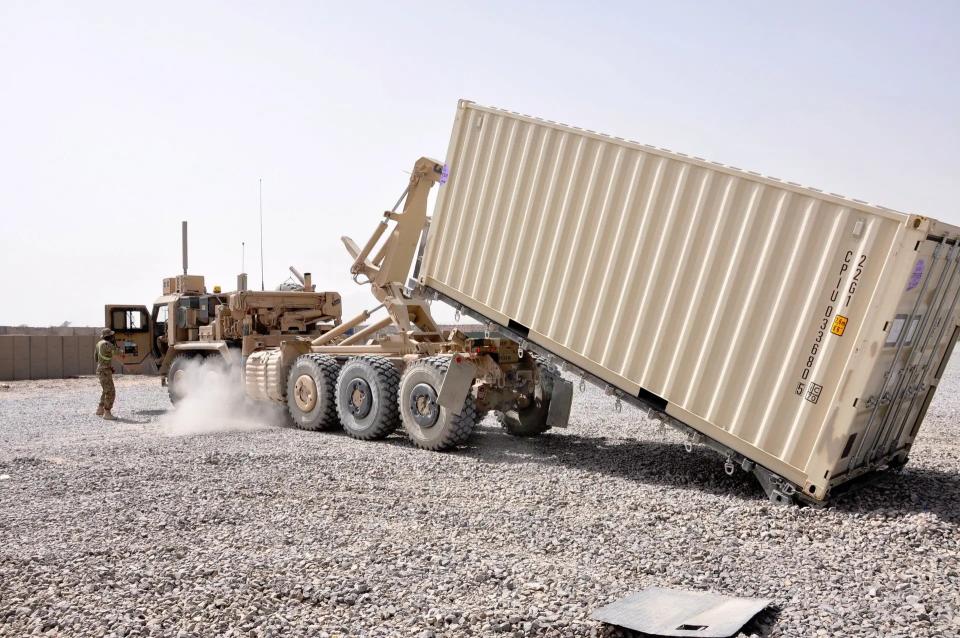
(106, 332)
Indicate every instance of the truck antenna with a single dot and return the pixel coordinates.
(260, 192)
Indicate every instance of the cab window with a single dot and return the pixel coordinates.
(129, 320)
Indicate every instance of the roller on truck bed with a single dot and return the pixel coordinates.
(798, 333)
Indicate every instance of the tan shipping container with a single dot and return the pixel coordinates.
(802, 333)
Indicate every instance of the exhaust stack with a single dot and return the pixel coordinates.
(183, 229)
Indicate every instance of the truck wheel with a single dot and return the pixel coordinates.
(311, 386)
(532, 419)
(209, 371)
(176, 377)
(367, 397)
(428, 425)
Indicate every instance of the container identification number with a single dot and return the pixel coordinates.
(840, 299)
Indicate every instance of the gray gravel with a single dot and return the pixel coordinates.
(121, 529)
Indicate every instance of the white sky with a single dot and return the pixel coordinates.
(119, 119)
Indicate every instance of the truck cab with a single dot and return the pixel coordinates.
(187, 324)
(145, 337)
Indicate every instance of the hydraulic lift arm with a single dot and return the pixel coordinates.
(387, 270)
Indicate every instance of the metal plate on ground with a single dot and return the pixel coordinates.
(667, 612)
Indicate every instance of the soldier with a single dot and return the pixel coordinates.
(104, 352)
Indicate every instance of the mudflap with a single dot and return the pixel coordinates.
(561, 401)
(456, 384)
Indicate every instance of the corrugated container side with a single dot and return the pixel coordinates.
(669, 276)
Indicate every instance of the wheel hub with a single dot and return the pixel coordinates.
(424, 406)
(177, 382)
(360, 399)
(305, 393)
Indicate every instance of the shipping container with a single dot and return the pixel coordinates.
(800, 333)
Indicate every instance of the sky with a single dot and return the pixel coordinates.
(118, 119)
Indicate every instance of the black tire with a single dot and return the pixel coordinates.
(209, 363)
(432, 427)
(311, 392)
(532, 419)
(176, 376)
(367, 397)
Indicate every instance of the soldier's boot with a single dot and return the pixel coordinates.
(108, 416)
(100, 410)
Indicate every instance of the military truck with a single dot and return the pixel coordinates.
(403, 369)
(187, 323)
(799, 334)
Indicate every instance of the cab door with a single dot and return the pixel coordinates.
(134, 332)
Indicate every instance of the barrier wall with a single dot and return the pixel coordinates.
(45, 356)
(62, 331)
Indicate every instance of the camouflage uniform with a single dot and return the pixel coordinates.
(104, 351)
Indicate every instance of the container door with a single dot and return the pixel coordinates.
(919, 341)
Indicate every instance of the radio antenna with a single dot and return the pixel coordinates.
(243, 256)
(260, 191)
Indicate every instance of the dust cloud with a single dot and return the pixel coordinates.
(212, 400)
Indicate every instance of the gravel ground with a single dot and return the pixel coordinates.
(123, 529)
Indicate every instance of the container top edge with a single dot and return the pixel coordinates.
(842, 200)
